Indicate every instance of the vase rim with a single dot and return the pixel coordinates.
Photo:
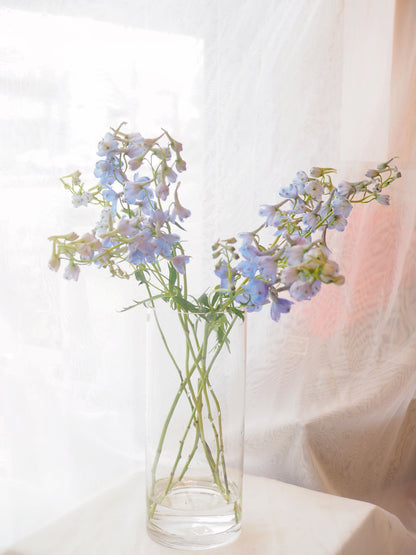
(151, 309)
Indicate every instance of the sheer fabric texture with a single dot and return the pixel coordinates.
(255, 90)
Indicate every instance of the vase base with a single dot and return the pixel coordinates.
(194, 516)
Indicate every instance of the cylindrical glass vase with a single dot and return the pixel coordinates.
(194, 427)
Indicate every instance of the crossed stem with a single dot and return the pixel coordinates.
(199, 401)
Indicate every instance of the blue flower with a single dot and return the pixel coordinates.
(291, 191)
(105, 170)
(247, 249)
(226, 275)
(248, 268)
(112, 197)
(279, 306)
(165, 244)
(255, 295)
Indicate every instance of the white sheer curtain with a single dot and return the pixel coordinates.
(256, 90)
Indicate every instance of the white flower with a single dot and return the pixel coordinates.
(103, 224)
(315, 189)
(345, 188)
(383, 199)
(81, 200)
(107, 145)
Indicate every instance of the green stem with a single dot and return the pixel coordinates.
(196, 416)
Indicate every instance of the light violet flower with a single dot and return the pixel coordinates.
(136, 147)
(71, 271)
(294, 255)
(271, 214)
(178, 211)
(133, 190)
(301, 290)
(179, 262)
(180, 165)
(267, 268)
(289, 275)
(162, 191)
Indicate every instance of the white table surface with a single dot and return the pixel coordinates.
(279, 519)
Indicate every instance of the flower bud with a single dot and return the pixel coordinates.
(372, 173)
(316, 172)
(383, 199)
(180, 165)
(338, 280)
(54, 262)
(71, 236)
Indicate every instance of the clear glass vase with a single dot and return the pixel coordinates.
(194, 427)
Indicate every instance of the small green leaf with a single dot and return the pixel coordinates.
(180, 227)
(215, 297)
(237, 312)
(186, 305)
(173, 274)
(203, 300)
(139, 275)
